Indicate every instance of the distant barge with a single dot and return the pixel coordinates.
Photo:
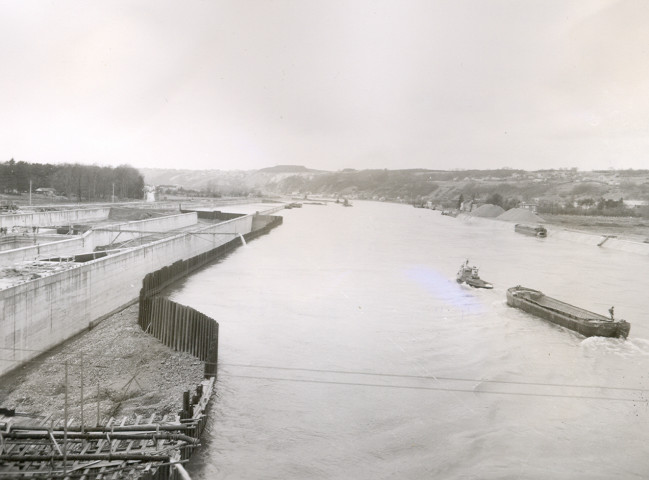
(536, 231)
(581, 321)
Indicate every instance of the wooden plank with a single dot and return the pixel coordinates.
(130, 443)
(100, 445)
(77, 464)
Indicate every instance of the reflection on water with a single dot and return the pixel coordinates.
(347, 350)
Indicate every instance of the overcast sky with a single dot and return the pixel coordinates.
(327, 84)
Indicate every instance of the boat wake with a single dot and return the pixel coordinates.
(631, 347)
(440, 287)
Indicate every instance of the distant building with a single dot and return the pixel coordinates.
(467, 206)
(50, 192)
(528, 206)
(635, 203)
(169, 188)
(149, 193)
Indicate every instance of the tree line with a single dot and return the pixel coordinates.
(73, 180)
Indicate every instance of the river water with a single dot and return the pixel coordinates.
(348, 351)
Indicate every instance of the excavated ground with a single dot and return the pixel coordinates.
(131, 372)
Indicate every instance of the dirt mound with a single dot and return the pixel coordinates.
(487, 211)
(520, 215)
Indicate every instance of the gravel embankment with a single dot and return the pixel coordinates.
(133, 372)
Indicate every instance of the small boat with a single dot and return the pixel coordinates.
(582, 321)
(536, 231)
(469, 275)
(346, 203)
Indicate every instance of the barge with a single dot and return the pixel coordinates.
(582, 321)
(534, 230)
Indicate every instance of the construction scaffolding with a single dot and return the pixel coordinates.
(152, 448)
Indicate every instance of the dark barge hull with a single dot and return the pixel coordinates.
(475, 282)
(582, 321)
(530, 230)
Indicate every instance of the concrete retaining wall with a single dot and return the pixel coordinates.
(38, 315)
(58, 217)
(104, 236)
(94, 238)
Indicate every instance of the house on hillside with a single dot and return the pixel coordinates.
(635, 203)
(467, 206)
(50, 192)
(168, 188)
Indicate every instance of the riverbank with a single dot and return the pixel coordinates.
(129, 371)
(633, 228)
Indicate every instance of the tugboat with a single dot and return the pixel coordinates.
(469, 274)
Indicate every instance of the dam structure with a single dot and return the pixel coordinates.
(55, 285)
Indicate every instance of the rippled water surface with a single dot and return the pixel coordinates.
(347, 350)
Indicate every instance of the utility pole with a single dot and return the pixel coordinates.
(82, 423)
(65, 426)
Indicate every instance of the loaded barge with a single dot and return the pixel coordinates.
(582, 321)
(535, 231)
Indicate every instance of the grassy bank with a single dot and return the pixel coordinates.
(632, 227)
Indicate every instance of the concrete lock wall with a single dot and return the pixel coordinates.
(56, 248)
(87, 242)
(39, 314)
(59, 217)
(104, 236)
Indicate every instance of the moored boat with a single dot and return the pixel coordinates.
(581, 321)
(534, 230)
(469, 275)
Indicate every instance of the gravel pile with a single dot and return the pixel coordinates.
(487, 211)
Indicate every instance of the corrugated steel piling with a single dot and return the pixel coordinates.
(181, 327)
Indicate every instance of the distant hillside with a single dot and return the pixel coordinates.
(557, 190)
(288, 169)
(226, 182)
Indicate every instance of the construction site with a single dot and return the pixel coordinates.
(83, 312)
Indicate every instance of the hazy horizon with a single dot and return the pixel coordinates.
(392, 169)
(362, 84)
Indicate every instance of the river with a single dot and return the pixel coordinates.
(348, 351)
